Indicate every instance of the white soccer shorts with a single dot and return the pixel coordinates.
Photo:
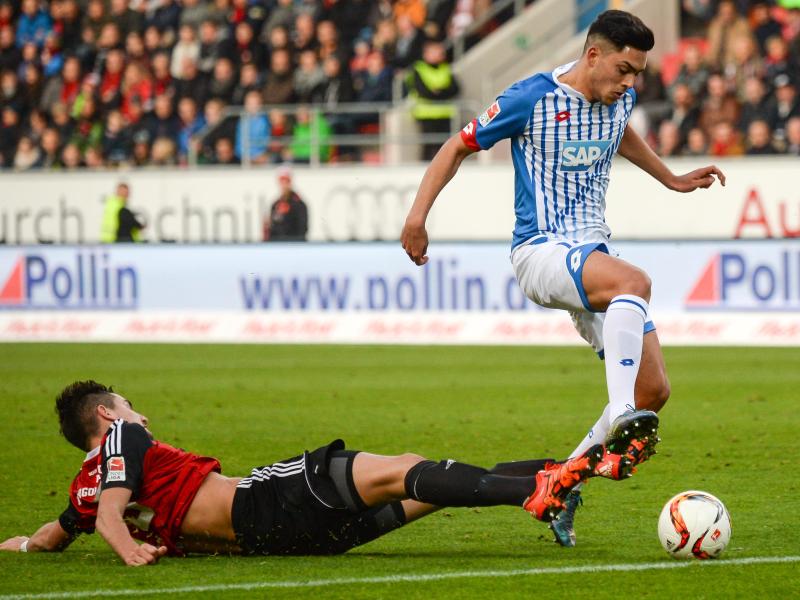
(550, 271)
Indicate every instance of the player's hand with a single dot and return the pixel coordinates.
(699, 178)
(13, 544)
(415, 242)
(145, 554)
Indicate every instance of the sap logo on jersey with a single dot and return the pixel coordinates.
(753, 279)
(64, 278)
(580, 156)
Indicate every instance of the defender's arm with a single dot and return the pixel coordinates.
(111, 526)
(636, 150)
(441, 170)
(50, 537)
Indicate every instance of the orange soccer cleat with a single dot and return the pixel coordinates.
(554, 482)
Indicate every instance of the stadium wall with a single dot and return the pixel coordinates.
(367, 203)
(733, 292)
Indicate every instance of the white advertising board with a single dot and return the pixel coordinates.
(369, 203)
(703, 293)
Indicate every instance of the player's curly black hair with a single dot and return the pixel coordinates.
(75, 407)
(622, 29)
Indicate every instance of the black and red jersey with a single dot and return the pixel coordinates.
(163, 481)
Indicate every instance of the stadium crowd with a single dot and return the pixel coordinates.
(99, 83)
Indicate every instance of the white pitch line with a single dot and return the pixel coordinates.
(258, 585)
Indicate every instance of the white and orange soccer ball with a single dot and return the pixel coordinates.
(694, 524)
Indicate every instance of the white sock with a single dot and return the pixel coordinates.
(596, 435)
(622, 339)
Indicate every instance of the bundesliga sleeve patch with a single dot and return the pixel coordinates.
(489, 114)
(115, 469)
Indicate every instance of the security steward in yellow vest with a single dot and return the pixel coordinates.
(432, 82)
(119, 223)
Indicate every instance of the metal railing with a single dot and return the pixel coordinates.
(388, 132)
(458, 44)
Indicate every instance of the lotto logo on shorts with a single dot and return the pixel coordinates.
(581, 155)
(115, 469)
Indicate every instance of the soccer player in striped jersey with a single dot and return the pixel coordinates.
(565, 127)
(132, 487)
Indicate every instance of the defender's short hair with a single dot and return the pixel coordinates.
(75, 407)
(621, 29)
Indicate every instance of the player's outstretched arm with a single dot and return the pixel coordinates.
(111, 526)
(50, 537)
(443, 167)
(636, 150)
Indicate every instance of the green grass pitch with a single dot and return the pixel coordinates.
(730, 429)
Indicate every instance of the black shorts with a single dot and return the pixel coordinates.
(288, 508)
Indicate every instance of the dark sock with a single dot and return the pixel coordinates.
(449, 483)
(520, 468)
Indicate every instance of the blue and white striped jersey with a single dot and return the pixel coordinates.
(561, 147)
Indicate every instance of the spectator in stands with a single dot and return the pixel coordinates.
(777, 60)
(109, 37)
(211, 46)
(10, 93)
(413, 10)
(694, 72)
(247, 49)
(787, 104)
(12, 131)
(385, 40)
(745, 62)
(188, 47)
(718, 106)
(669, 139)
(725, 140)
(248, 81)
(759, 139)
(279, 85)
(439, 13)
(432, 84)
(304, 33)
(63, 88)
(88, 129)
(162, 122)
(32, 87)
(696, 143)
(725, 27)
(308, 77)
(68, 22)
(116, 140)
(71, 157)
(328, 40)
(27, 154)
(223, 81)
(310, 137)
(756, 105)
(218, 127)
(376, 85)
(162, 80)
(194, 13)
(37, 123)
(410, 41)
(193, 84)
(34, 24)
(165, 19)
(50, 144)
(191, 124)
(86, 51)
(282, 15)
(10, 54)
(127, 19)
(224, 153)
(95, 18)
(281, 130)
(134, 48)
(288, 218)
(792, 145)
(141, 149)
(337, 87)
(278, 39)
(764, 26)
(137, 87)
(111, 82)
(253, 131)
(164, 152)
(93, 158)
(120, 224)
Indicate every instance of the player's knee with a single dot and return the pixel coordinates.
(639, 284)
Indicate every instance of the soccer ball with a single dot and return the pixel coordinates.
(694, 524)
